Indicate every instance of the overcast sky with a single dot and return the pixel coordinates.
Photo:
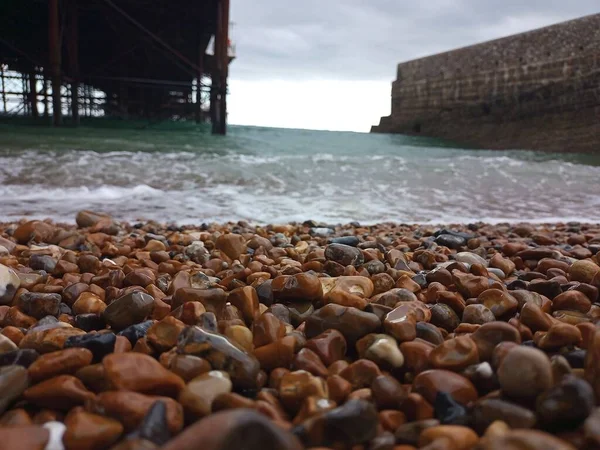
(329, 64)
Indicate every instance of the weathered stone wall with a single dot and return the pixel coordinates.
(535, 90)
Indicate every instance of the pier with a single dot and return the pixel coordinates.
(61, 60)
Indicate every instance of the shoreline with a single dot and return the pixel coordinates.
(141, 335)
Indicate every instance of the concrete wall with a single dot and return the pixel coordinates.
(536, 90)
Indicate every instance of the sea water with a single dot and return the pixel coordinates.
(266, 175)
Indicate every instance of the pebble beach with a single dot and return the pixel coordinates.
(131, 336)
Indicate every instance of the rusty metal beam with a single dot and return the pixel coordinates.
(152, 35)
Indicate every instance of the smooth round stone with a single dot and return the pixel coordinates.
(155, 425)
(62, 392)
(128, 310)
(140, 373)
(234, 429)
(525, 372)
(38, 304)
(470, 258)
(26, 437)
(488, 410)
(430, 382)
(409, 433)
(477, 314)
(387, 392)
(351, 322)
(591, 429)
(352, 241)
(381, 349)
(9, 284)
(344, 255)
(469, 285)
(6, 345)
(394, 296)
(242, 367)
(584, 271)
(526, 439)
(89, 322)
(46, 339)
(451, 241)
(455, 354)
(448, 411)
(66, 361)
(13, 382)
(347, 290)
(22, 357)
(100, 344)
(296, 386)
(137, 331)
(458, 436)
(308, 360)
(501, 303)
(198, 395)
(88, 303)
(163, 335)
(444, 317)
(86, 431)
(304, 287)
(42, 262)
(330, 346)
(490, 334)
(566, 405)
(430, 333)
(233, 245)
(131, 408)
(353, 423)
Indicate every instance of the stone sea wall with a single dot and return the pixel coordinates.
(535, 90)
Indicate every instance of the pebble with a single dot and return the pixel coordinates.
(355, 422)
(239, 428)
(526, 439)
(351, 322)
(488, 410)
(86, 431)
(99, 344)
(61, 362)
(221, 354)
(370, 338)
(381, 349)
(566, 405)
(455, 354)
(9, 284)
(533, 377)
(13, 382)
(38, 304)
(61, 392)
(198, 394)
(128, 310)
(140, 373)
(430, 382)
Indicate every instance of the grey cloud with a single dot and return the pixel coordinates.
(362, 39)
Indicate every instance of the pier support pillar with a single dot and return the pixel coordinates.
(198, 104)
(33, 93)
(54, 48)
(73, 51)
(219, 78)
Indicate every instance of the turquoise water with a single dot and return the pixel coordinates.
(181, 173)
